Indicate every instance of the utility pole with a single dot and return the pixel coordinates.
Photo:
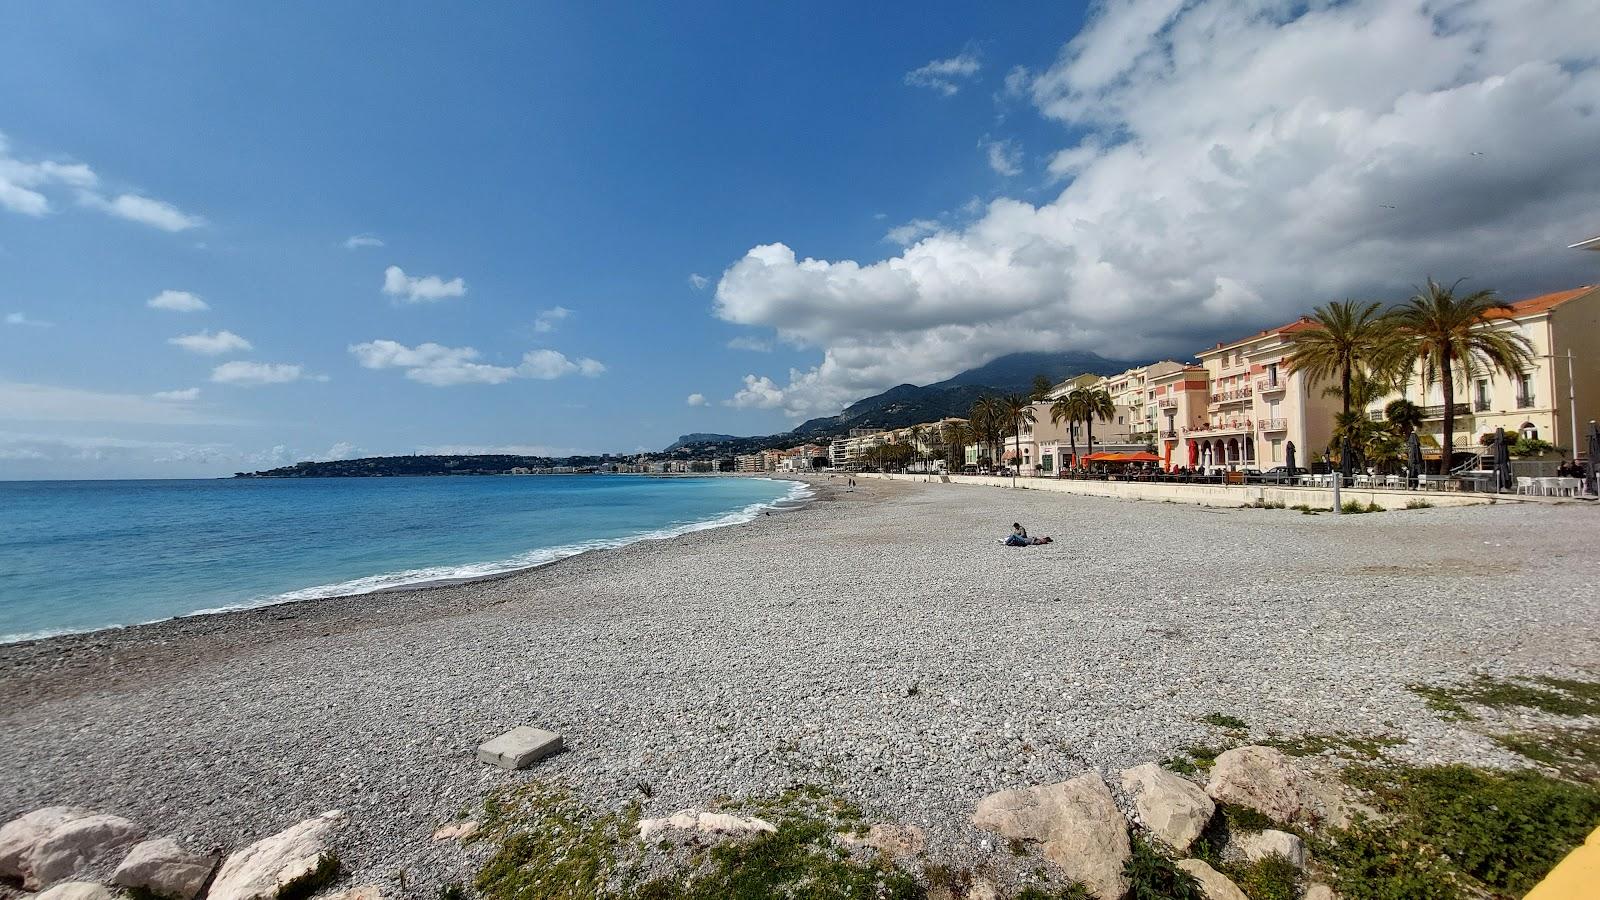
(1572, 404)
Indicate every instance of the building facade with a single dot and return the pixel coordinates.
(1255, 408)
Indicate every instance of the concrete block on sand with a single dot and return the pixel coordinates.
(520, 747)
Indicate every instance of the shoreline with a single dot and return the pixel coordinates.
(789, 503)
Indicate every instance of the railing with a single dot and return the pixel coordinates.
(1232, 396)
(1169, 433)
(1524, 403)
(1265, 385)
(1167, 403)
(1274, 425)
(1230, 425)
(1437, 412)
(1480, 406)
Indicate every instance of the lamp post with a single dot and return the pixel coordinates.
(1337, 477)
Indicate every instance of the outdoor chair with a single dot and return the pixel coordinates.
(1526, 485)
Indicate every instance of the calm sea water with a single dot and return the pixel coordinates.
(81, 555)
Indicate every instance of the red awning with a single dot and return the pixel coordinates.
(1141, 456)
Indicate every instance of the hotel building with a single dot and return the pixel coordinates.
(1255, 408)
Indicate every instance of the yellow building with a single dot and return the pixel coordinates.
(1255, 408)
(1544, 402)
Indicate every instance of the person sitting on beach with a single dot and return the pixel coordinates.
(1018, 531)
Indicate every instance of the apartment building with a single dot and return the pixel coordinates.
(1255, 408)
(1559, 392)
(1180, 395)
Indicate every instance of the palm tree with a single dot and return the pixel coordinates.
(1066, 409)
(958, 435)
(989, 418)
(1349, 341)
(1403, 415)
(917, 433)
(1018, 410)
(1446, 335)
(1092, 403)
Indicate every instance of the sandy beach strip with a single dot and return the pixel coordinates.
(879, 641)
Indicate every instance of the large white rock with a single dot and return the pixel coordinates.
(702, 823)
(519, 748)
(1214, 884)
(1263, 779)
(19, 836)
(75, 890)
(74, 844)
(890, 840)
(1175, 809)
(165, 868)
(1078, 823)
(1272, 843)
(255, 872)
(1320, 892)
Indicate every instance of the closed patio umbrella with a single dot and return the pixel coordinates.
(1346, 463)
(1594, 457)
(1414, 452)
(1502, 461)
(1289, 450)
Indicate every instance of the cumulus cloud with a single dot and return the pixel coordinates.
(696, 400)
(358, 241)
(755, 345)
(183, 395)
(441, 366)
(340, 450)
(1232, 164)
(144, 210)
(911, 232)
(22, 183)
(698, 281)
(423, 289)
(209, 344)
(18, 318)
(945, 75)
(548, 319)
(177, 301)
(758, 393)
(1005, 157)
(257, 373)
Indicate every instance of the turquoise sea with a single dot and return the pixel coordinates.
(81, 555)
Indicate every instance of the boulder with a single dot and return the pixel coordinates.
(1213, 884)
(163, 867)
(1262, 779)
(702, 823)
(519, 748)
(890, 840)
(1175, 809)
(255, 872)
(1078, 823)
(75, 890)
(456, 831)
(360, 892)
(74, 844)
(1319, 892)
(1272, 843)
(19, 836)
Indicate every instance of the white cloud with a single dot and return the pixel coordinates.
(548, 319)
(911, 232)
(1018, 80)
(340, 450)
(945, 75)
(698, 281)
(177, 301)
(548, 364)
(758, 393)
(183, 395)
(209, 344)
(441, 366)
(696, 400)
(257, 373)
(22, 183)
(503, 449)
(755, 345)
(1232, 163)
(424, 289)
(1005, 157)
(357, 241)
(27, 402)
(144, 210)
(18, 318)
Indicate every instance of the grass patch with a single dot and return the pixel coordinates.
(1558, 696)
(1263, 504)
(1305, 509)
(1222, 720)
(1270, 878)
(553, 847)
(1349, 746)
(453, 891)
(1418, 504)
(1192, 761)
(1155, 877)
(1070, 892)
(1244, 820)
(1455, 831)
(1356, 506)
(323, 874)
(1575, 752)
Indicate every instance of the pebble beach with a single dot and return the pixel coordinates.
(879, 641)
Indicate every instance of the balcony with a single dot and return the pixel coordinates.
(1437, 411)
(1270, 425)
(1268, 386)
(1169, 432)
(1524, 403)
(1223, 427)
(1480, 405)
(1238, 395)
(1167, 403)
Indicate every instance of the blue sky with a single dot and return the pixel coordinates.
(964, 181)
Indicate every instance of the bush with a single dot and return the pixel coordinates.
(1155, 877)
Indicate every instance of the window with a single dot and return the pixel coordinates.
(1525, 390)
(1480, 401)
(1277, 449)
(1272, 374)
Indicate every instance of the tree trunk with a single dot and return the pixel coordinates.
(1349, 426)
(1448, 386)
